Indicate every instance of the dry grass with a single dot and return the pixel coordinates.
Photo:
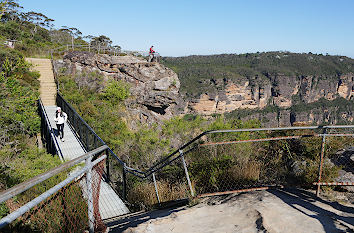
(144, 195)
(248, 170)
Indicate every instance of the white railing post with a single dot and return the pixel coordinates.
(186, 171)
(91, 217)
(156, 190)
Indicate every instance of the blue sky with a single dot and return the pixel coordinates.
(187, 27)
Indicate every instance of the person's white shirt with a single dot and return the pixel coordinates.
(60, 119)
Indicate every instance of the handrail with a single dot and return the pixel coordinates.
(44, 196)
(92, 131)
(8, 193)
(52, 135)
(153, 168)
(99, 49)
(133, 171)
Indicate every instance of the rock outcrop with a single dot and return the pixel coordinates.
(263, 211)
(154, 88)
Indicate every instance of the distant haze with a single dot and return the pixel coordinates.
(180, 28)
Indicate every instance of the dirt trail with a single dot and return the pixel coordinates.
(262, 211)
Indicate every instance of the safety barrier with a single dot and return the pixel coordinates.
(47, 133)
(95, 49)
(64, 199)
(229, 161)
(227, 167)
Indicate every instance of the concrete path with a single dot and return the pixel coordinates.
(110, 204)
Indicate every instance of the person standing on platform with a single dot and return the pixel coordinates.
(60, 118)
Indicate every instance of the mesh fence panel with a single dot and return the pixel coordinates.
(338, 161)
(171, 184)
(224, 163)
(64, 211)
(115, 176)
(215, 169)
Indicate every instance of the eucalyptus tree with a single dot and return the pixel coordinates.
(74, 32)
(38, 20)
(9, 10)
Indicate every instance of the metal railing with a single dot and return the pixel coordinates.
(91, 140)
(95, 49)
(38, 215)
(226, 181)
(47, 133)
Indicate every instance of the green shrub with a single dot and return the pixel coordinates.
(116, 91)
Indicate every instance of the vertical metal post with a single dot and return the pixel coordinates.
(187, 175)
(80, 132)
(107, 166)
(89, 139)
(124, 183)
(91, 217)
(95, 142)
(157, 192)
(323, 145)
(86, 139)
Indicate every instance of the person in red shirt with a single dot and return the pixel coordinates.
(152, 50)
(151, 53)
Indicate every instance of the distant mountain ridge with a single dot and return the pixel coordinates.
(225, 83)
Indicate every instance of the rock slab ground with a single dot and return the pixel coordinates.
(262, 211)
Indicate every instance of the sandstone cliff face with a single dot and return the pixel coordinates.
(154, 88)
(285, 117)
(281, 90)
(233, 95)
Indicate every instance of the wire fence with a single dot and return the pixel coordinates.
(229, 161)
(64, 199)
(336, 166)
(224, 161)
(163, 186)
